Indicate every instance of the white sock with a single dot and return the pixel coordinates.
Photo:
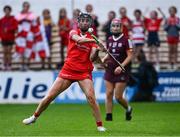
(129, 108)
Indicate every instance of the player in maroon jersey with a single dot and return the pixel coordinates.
(115, 80)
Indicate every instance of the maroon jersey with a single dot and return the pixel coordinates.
(118, 48)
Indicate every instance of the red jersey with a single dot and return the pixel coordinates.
(78, 55)
(173, 20)
(8, 27)
(126, 21)
(152, 24)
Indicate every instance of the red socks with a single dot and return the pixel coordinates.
(99, 123)
(36, 114)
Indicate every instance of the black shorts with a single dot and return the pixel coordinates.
(139, 44)
(7, 43)
(153, 39)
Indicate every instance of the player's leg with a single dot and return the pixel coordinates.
(151, 53)
(87, 87)
(156, 57)
(171, 55)
(175, 51)
(9, 56)
(58, 87)
(119, 90)
(43, 62)
(109, 99)
(5, 51)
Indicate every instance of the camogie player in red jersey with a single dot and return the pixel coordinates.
(82, 50)
(116, 80)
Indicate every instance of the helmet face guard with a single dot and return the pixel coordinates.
(84, 16)
(116, 27)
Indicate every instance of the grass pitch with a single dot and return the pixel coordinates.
(149, 119)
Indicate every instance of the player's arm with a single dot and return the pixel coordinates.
(81, 40)
(129, 52)
(166, 25)
(178, 24)
(94, 54)
(128, 58)
(105, 58)
(161, 12)
(145, 13)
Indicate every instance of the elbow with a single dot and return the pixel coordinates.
(92, 58)
(130, 55)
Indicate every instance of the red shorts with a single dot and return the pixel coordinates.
(173, 40)
(74, 75)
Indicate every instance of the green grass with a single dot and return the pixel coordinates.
(149, 119)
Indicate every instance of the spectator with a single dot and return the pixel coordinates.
(95, 24)
(30, 43)
(172, 27)
(8, 27)
(64, 28)
(152, 25)
(138, 36)
(74, 22)
(125, 21)
(25, 19)
(47, 22)
(107, 25)
(148, 79)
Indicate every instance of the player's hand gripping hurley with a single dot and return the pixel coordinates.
(90, 30)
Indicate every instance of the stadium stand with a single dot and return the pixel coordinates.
(55, 52)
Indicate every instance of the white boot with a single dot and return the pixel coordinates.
(101, 129)
(29, 120)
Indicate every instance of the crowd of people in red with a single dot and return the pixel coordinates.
(31, 35)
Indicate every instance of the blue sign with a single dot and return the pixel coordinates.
(31, 87)
(169, 87)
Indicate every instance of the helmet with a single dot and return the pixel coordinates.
(116, 21)
(85, 15)
(116, 27)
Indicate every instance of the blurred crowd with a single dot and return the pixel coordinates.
(31, 35)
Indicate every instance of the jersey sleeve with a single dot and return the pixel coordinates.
(71, 33)
(129, 45)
